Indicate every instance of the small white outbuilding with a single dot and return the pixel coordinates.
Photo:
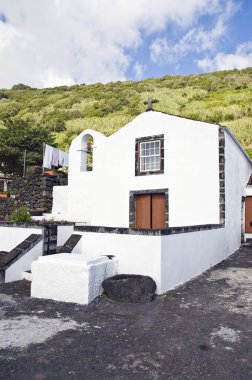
(165, 195)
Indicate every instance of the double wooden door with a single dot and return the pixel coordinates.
(150, 211)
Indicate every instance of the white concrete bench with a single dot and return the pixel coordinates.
(70, 277)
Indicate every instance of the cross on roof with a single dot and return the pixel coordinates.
(149, 102)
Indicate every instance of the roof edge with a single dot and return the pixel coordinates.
(233, 137)
(237, 142)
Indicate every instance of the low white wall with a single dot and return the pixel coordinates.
(64, 233)
(187, 255)
(170, 260)
(10, 237)
(136, 254)
(78, 247)
(15, 271)
(70, 278)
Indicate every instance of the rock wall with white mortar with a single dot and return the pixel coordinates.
(70, 277)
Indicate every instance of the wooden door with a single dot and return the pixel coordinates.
(143, 211)
(150, 211)
(158, 211)
(248, 215)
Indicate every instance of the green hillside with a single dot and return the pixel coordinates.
(63, 112)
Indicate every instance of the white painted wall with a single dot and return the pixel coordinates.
(60, 201)
(15, 271)
(249, 191)
(78, 247)
(173, 259)
(70, 278)
(10, 237)
(64, 233)
(101, 197)
(191, 174)
(237, 173)
(185, 256)
(136, 254)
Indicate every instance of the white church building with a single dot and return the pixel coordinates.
(165, 195)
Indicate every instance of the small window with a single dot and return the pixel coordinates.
(149, 155)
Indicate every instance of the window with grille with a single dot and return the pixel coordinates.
(150, 156)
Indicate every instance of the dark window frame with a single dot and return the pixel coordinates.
(140, 140)
(132, 204)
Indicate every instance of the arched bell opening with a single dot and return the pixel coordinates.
(87, 153)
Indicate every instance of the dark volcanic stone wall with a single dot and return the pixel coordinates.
(35, 192)
(6, 206)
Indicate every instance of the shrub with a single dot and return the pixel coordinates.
(20, 214)
(20, 86)
(3, 95)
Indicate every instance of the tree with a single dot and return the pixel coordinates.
(20, 86)
(16, 137)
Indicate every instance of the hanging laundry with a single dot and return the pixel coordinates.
(55, 157)
(47, 159)
(61, 157)
(65, 160)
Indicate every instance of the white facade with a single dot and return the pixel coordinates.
(101, 197)
(193, 177)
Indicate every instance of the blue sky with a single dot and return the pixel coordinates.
(238, 31)
(46, 43)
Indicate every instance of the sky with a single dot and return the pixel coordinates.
(47, 43)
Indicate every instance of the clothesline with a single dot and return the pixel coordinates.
(54, 156)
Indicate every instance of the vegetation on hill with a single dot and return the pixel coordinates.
(61, 113)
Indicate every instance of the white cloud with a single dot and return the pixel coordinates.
(138, 70)
(55, 42)
(197, 39)
(240, 59)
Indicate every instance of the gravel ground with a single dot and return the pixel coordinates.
(201, 330)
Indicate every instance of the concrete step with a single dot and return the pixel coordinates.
(69, 244)
(27, 275)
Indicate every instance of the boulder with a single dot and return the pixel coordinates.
(130, 288)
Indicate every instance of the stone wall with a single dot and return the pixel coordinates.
(35, 192)
(6, 206)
